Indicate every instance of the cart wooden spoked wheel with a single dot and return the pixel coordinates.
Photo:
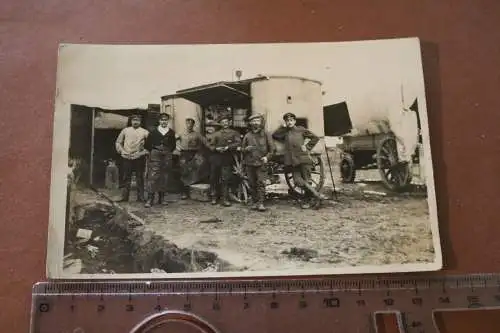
(240, 187)
(317, 177)
(396, 175)
(347, 168)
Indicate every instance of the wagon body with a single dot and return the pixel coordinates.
(271, 96)
(387, 139)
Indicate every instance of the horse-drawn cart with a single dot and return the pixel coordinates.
(394, 149)
(375, 151)
(271, 96)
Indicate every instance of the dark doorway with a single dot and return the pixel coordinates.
(302, 122)
(80, 147)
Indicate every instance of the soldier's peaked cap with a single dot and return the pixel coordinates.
(136, 116)
(289, 115)
(255, 116)
(212, 123)
(224, 117)
(164, 115)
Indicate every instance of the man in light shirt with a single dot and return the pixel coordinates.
(130, 146)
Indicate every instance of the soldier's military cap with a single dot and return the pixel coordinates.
(255, 116)
(212, 123)
(289, 115)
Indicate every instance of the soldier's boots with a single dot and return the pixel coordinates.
(185, 193)
(161, 198)
(140, 196)
(149, 202)
(125, 195)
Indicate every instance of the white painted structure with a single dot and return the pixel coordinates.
(278, 95)
(179, 110)
(272, 96)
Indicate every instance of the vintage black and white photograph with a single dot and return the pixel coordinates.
(238, 160)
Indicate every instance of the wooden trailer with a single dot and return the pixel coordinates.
(271, 96)
(375, 150)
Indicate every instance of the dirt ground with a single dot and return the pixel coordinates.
(365, 225)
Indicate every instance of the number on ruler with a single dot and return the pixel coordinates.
(44, 307)
(302, 304)
(129, 307)
(246, 305)
(187, 307)
(444, 300)
(216, 306)
(331, 302)
(100, 308)
(158, 307)
(389, 301)
(417, 301)
(473, 301)
(274, 305)
(361, 302)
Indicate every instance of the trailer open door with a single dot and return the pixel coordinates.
(337, 121)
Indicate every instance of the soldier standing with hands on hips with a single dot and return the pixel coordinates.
(297, 153)
(130, 145)
(258, 148)
(226, 142)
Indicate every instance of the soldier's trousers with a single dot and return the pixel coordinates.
(221, 166)
(214, 177)
(302, 177)
(129, 167)
(256, 177)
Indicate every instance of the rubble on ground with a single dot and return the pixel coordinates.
(106, 239)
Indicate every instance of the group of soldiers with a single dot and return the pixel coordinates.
(136, 145)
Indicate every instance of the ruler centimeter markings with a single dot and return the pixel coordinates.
(226, 306)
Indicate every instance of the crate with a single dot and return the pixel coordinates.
(200, 192)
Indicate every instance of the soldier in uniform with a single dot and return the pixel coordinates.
(258, 148)
(190, 144)
(160, 143)
(211, 128)
(130, 145)
(226, 142)
(297, 153)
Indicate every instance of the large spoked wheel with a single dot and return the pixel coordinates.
(395, 175)
(347, 169)
(317, 177)
(240, 188)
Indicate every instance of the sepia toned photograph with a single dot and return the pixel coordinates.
(239, 160)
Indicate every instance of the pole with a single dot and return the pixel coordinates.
(92, 148)
(331, 173)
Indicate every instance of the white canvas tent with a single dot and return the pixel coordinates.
(105, 120)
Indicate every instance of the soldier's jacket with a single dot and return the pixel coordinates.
(208, 141)
(227, 138)
(293, 139)
(191, 141)
(255, 146)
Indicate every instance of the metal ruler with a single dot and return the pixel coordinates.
(239, 306)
